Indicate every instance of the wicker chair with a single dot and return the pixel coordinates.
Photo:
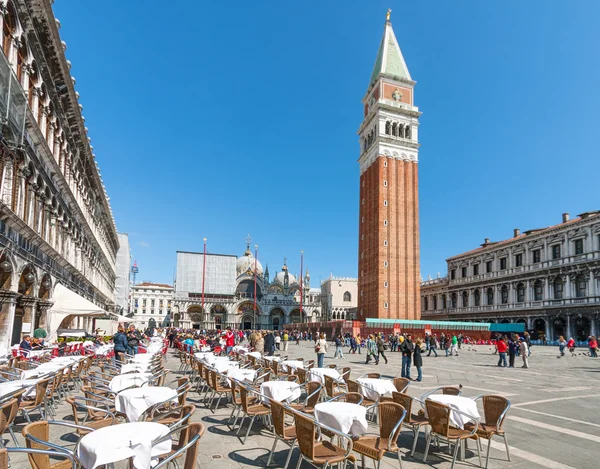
(95, 417)
(38, 453)
(194, 433)
(346, 373)
(36, 437)
(8, 412)
(250, 410)
(283, 432)
(350, 397)
(319, 453)
(415, 421)
(391, 416)
(39, 403)
(401, 384)
(448, 390)
(330, 386)
(353, 386)
(494, 411)
(175, 416)
(313, 394)
(301, 375)
(371, 375)
(439, 419)
(217, 389)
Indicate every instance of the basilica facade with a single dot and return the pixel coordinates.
(214, 291)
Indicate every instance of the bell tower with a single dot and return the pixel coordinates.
(388, 246)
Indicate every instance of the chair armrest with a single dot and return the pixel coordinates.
(178, 453)
(71, 457)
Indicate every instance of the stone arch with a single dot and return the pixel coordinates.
(277, 317)
(195, 313)
(7, 269)
(45, 287)
(27, 280)
(295, 316)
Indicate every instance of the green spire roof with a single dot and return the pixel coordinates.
(389, 58)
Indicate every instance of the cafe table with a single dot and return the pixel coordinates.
(134, 402)
(373, 388)
(281, 390)
(293, 364)
(318, 374)
(121, 382)
(242, 374)
(345, 417)
(9, 387)
(463, 404)
(119, 442)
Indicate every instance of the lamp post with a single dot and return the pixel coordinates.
(255, 264)
(203, 278)
(301, 285)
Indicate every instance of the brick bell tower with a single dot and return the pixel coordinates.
(388, 246)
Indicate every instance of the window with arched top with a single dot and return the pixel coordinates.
(538, 294)
(388, 127)
(465, 299)
(504, 294)
(407, 131)
(347, 296)
(490, 296)
(453, 300)
(580, 286)
(9, 27)
(520, 293)
(21, 60)
(394, 129)
(425, 303)
(477, 297)
(558, 288)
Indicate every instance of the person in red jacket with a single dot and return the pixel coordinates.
(229, 340)
(571, 346)
(593, 345)
(502, 348)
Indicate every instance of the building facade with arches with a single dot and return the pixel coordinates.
(56, 224)
(339, 296)
(547, 278)
(229, 293)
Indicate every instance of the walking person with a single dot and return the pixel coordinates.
(528, 342)
(286, 339)
(321, 350)
(502, 348)
(229, 340)
(269, 343)
(358, 343)
(339, 353)
(352, 345)
(381, 348)
(418, 360)
(562, 343)
(524, 352)
(513, 346)
(407, 349)
(454, 346)
(593, 346)
(433, 343)
(277, 341)
(571, 346)
(372, 350)
(120, 342)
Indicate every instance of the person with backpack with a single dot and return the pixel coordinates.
(120, 343)
(338, 347)
(381, 348)
(134, 338)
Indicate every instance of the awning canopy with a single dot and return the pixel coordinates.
(68, 303)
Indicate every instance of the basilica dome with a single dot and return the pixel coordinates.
(246, 263)
(280, 276)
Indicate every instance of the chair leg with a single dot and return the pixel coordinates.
(487, 457)
(12, 433)
(241, 424)
(272, 451)
(249, 428)
(427, 447)
(416, 431)
(478, 452)
(287, 461)
(399, 458)
(506, 444)
(299, 462)
(456, 448)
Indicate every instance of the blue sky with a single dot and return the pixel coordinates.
(219, 119)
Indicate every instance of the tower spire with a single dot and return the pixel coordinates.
(390, 60)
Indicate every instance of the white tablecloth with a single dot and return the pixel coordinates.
(343, 416)
(133, 402)
(142, 358)
(272, 359)
(293, 364)
(38, 353)
(153, 348)
(373, 388)
(68, 360)
(242, 374)
(464, 404)
(135, 367)
(223, 365)
(9, 387)
(240, 349)
(281, 390)
(316, 374)
(120, 382)
(119, 442)
(103, 349)
(208, 357)
(43, 369)
(254, 354)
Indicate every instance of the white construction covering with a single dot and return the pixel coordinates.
(68, 303)
(122, 266)
(220, 273)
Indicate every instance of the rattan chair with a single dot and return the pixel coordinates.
(353, 386)
(371, 375)
(319, 453)
(37, 436)
(39, 457)
(250, 409)
(448, 390)
(282, 432)
(401, 384)
(346, 373)
(217, 388)
(176, 416)
(494, 411)
(301, 375)
(439, 419)
(190, 449)
(95, 417)
(39, 403)
(415, 421)
(331, 384)
(313, 394)
(391, 416)
(8, 412)
(350, 397)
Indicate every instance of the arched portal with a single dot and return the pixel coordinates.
(559, 328)
(582, 328)
(217, 315)
(295, 316)
(539, 329)
(277, 317)
(247, 322)
(196, 315)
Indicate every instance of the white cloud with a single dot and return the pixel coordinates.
(144, 244)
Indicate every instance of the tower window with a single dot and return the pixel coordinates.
(363, 183)
(363, 201)
(385, 284)
(385, 263)
(385, 203)
(388, 127)
(385, 183)
(385, 163)
(362, 219)
(385, 305)
(362, 237)
(385, 242)
(384, 222)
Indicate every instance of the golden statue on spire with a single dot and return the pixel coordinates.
(388, 14)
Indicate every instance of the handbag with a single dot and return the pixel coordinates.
(317, 348)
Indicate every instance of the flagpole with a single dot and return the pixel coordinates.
(203, 277)
(255, 265)
(301, 285)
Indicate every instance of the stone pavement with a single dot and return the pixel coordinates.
(552, 422)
